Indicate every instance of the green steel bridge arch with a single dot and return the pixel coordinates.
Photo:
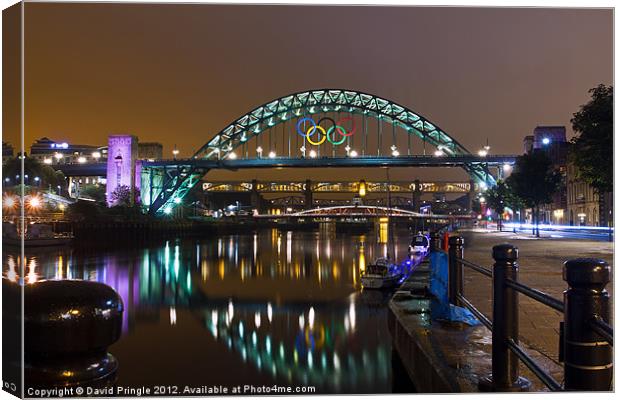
(175, 183)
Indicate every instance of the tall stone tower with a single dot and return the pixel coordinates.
(122, 154)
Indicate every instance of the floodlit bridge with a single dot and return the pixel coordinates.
(339, 187)
(359, 212)
(317, 129)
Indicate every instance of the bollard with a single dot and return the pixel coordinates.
(588, 358)
(505, 364)
(455, 269)
(68, 326)
(435, 244)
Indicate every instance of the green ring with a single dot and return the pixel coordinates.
(332, 129)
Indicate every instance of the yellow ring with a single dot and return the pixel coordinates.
(321, 129)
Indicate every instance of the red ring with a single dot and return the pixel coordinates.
(353, 127)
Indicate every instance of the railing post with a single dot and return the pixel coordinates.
(588, 358)
(455, 269)
(505, 364)
(435, 244)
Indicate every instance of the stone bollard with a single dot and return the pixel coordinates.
(68, 326)
(588, 358)
(435, 242)
(455, 269)
(505, 364)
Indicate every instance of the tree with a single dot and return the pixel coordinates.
(497, 198)
(95, 192)
(592, 148)
(534, 181)
(121, 196)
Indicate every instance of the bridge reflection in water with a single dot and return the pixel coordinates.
(265, 308)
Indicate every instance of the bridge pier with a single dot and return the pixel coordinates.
(255, 198)
(417, 194)
(308, 197)
(471, 195)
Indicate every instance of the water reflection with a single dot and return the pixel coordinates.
(285, 305)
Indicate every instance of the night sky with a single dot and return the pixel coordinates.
(178, 74)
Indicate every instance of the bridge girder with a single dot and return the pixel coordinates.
(307, 103)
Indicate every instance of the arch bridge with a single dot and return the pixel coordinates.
(316, 128)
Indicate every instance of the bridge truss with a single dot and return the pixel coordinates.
(338, 115)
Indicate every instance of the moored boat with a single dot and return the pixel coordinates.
(381, 274)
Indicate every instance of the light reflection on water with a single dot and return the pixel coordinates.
(283, 307)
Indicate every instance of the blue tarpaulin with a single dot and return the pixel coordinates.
(442, 309)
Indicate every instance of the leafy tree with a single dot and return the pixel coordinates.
(592, 148)
(95, 192)
(121, 196)
(497, 199)
(534, 181)
(83, 211)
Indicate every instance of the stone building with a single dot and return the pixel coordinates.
(584, 208)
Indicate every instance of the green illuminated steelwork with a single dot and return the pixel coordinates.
(175, 184)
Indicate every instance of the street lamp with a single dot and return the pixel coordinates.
(96, 155)
(353, 153)
(82, 160)
(272, 154)
(175, 152)
(483, 152)
(303, 151)
(232, 156)
(259, 151)
(507, 167)
(312, 154)
(546, 141)
(395, 152)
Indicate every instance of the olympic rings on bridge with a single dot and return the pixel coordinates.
(329, 134)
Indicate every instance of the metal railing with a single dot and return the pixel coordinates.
(586, 338)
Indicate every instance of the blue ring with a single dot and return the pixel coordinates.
(302, 120)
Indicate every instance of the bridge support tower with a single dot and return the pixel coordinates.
(471, 195)
(417, 195)
(308, 197)
(255, 197)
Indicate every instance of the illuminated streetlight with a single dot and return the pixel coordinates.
(175, 152)
(82, 160)
(259, 151)
(312, 154)
(483, 153)
(546, 141)
(507, 167)
(9, 202)
(96, 155)
(34, 202)
(353, 153)
(303, 151)
(272, 154)
(232, 156)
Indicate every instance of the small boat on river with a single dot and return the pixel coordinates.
(381, 274)
(419, 244)
(37, 235)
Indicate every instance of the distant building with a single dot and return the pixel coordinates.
(552, 140)
(49, 151)
(584, 207)
(7, 151)
(150, 151)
